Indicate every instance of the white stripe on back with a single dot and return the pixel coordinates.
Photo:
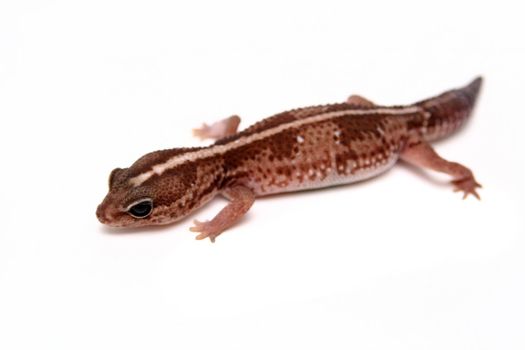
(221, 149)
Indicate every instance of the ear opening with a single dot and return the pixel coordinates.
(112, 176)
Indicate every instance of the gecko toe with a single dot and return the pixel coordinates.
(205, 230)
(467, 186)
(202, 132)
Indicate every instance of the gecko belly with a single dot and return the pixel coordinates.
(293, 179)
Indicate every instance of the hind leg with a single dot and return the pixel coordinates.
(423, 155)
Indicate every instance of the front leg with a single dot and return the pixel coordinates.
(218, 130)
(423, 155)
(360, 101)
(241, 199)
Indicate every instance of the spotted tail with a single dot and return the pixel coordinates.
(450, 110)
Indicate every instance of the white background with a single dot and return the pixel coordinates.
(399, 262)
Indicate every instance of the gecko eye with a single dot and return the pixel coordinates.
(141, 209)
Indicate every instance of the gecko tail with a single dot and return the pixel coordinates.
(450, 110)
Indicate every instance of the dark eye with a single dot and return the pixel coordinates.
(141, 209)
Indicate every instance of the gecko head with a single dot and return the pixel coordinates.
(142, 195)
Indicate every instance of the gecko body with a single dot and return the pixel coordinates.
(304, 148)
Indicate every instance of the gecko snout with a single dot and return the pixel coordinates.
(103, 215)
(100, 214)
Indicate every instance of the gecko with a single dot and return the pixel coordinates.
(300, 149)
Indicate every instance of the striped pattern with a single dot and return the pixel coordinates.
(218, 149)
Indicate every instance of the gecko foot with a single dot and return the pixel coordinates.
(206, 229)
(217, 130)
(467, 185)
(203, 132)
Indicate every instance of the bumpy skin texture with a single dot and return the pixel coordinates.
(304, 148)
